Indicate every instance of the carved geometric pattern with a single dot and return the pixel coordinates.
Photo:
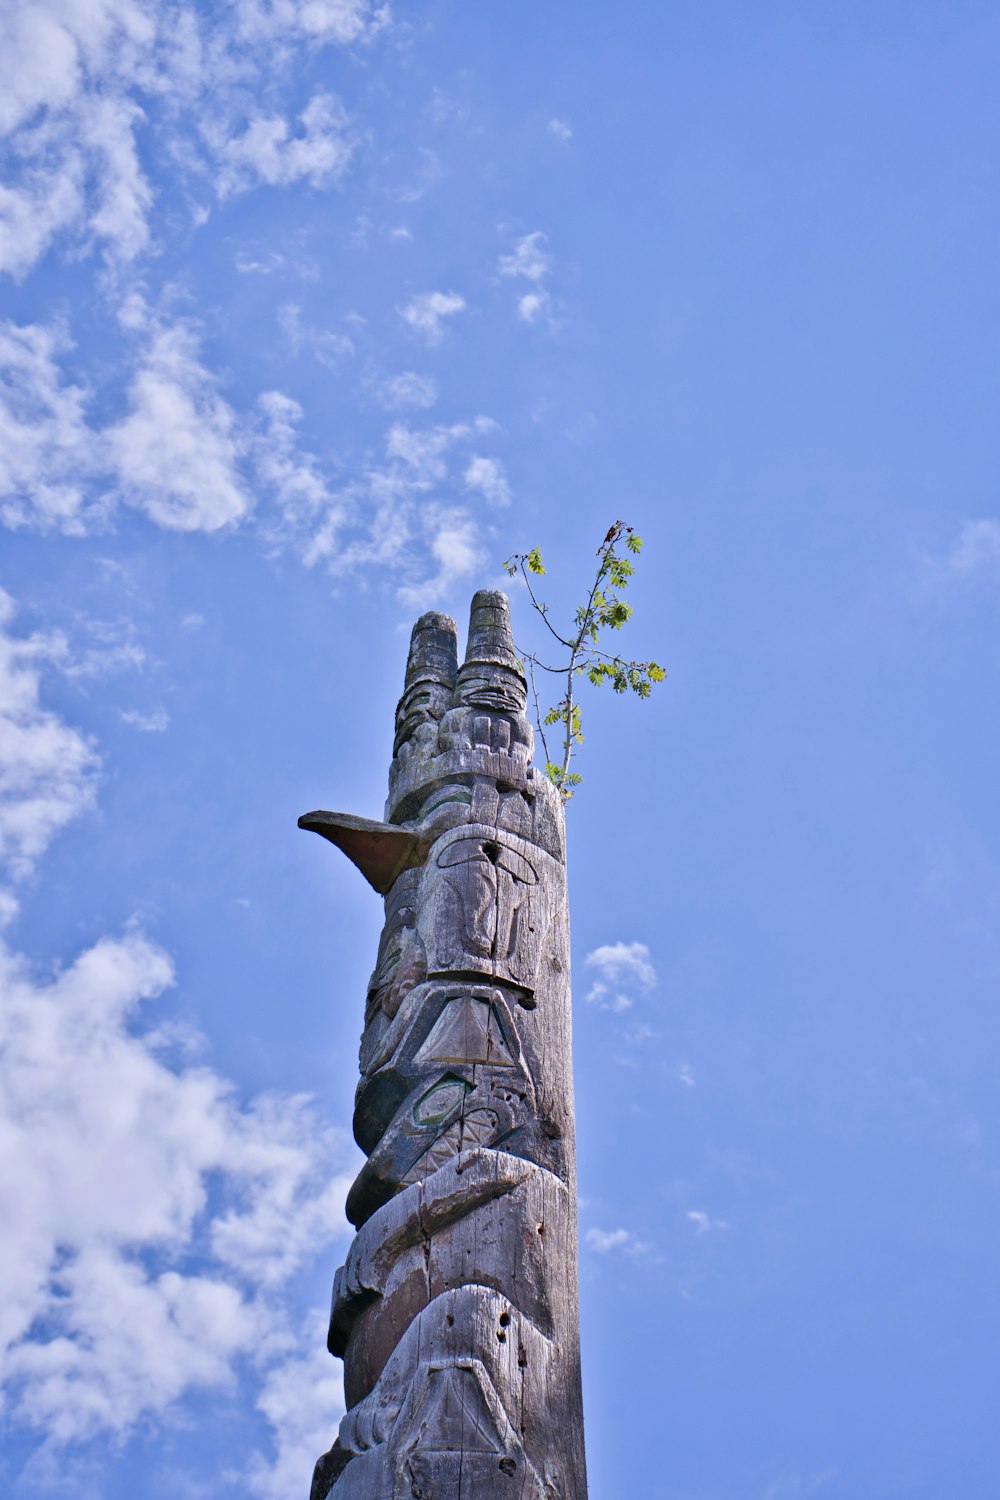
(453, 1416)
(476, 1128)
(466, 1032)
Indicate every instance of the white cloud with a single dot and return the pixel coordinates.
(70, 124)
(122, 197)
(488, 478)
(530, 305)
(307, 507)
(268, 151)
(48, 452)
(703, 1222)
(408, 389)
(302, 1398)
(48, 769)
(100, 648)
(397, 515)
(151, 1218)
(605, 1240)
(976, 547)
(600, 994)
(619, 965)
(562, 131)
(92, 88)
(529, 261)
(455, 547)
(326, 22)
(263, 265)
(126, 1283)
(32, 213)
(427, 311)
(424, 450)
(176, 454)
(328, 347)
(155, 722)
(186, 458)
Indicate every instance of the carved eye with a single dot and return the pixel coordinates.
(439, 1101)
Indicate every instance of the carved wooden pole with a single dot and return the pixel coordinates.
(456, 1313)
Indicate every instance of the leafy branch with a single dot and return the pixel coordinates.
(602, 609)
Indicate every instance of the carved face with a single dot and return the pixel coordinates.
(423, 703)
(489, 889)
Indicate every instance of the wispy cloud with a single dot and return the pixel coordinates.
(83, 82)
(408, 390)
(529, 261)
(48, 770)
(562, 131)
(797, 1487)
(487, 477)
(157, 721)
(316, 149)
(176, 454)
(704, 1222)
(301, 1396)
(604, 1241)
(152, 1218)
(620, 967)
(426, 313)
(976, 548)
(188, 459)
(49, 455)
(327, 345)
(112, 1149)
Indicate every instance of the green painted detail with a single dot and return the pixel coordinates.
(387, 965)
(439, 1101)
(463, 797)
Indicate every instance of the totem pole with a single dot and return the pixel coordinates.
(456, 1312)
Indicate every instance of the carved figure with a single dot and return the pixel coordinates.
(456, 1311)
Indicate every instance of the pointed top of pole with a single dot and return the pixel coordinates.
(433, 651)
(490, 640)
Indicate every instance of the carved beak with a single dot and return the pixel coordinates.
(381, 851)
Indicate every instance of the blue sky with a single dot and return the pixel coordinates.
(310, 313)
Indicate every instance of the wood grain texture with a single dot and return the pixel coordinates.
(456, 1311)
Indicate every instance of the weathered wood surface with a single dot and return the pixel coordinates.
(456, 1312)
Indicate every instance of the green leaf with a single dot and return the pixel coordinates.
(534, 561)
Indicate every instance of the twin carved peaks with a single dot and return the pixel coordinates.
(456, 1311)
